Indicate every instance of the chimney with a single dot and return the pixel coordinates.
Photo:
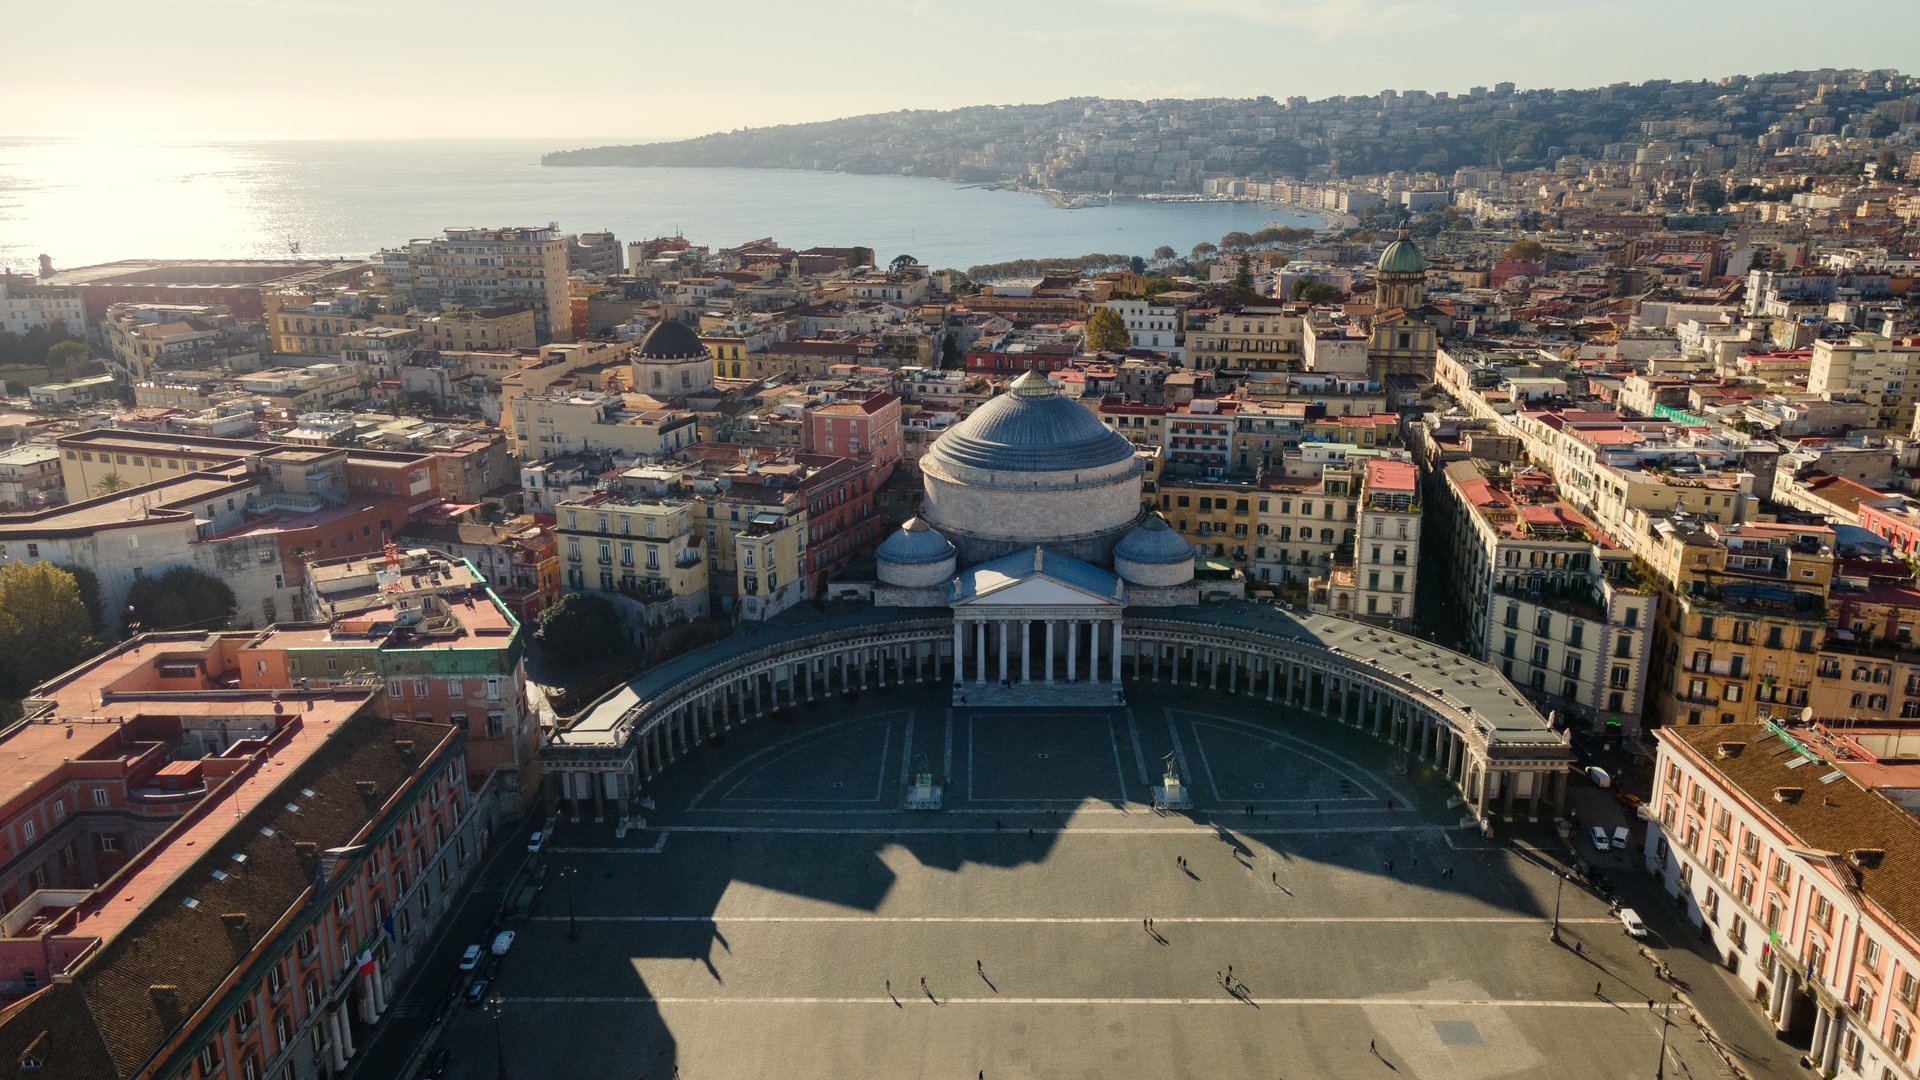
(1788, 794)
(367, 789)
(166, 1002)
(1866, 858)
(1729, 749)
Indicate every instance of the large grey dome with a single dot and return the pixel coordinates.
(1031, 429)
(1154, 543)
(913, 544)
(671, 339)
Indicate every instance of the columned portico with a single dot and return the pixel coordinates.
(1068, 611)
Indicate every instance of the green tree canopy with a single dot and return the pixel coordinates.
(1313, 292)
(44, 629)
(89, 586)
(1107, 331)
(1203, 249)
(180, 599)
(1164, 252)
(1528, 250)
(580, 627)
(1236, 240)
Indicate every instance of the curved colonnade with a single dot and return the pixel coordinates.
(603, 770)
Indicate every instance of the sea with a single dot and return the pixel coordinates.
(90, 200)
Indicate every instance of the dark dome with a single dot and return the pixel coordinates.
(1030, 428)
(1153, 543)
(671, 339)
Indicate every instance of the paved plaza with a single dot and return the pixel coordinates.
(779, 912)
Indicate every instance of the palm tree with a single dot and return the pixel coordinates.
(109, 484)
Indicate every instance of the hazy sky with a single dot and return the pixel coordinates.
(593, 70)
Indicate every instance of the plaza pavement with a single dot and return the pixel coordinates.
(777, 914)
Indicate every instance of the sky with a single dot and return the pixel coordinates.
(589, 71)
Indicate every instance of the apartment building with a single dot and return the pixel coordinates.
(314, 324)
(533, 372)
(218, 883)
(25, 305)
(1549, 596)
(579, 421)
(476, 268)
(645, 548)
(1376, 578)
(145, 338)
(1789, 853)
(1152, 326)
(1882, 371)
(1250, 339)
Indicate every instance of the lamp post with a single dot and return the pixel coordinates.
(1559, 883)
(499, 1045)
(1660, 1069)
(571, 873)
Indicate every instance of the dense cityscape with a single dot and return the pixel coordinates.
(471, 659)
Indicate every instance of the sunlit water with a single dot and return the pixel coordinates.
(85, 201)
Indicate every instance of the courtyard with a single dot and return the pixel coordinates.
(780, 910)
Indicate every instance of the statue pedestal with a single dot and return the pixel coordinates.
(923, 793)
(1172, 795)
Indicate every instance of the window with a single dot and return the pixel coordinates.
(1823, 912)
(100, 796)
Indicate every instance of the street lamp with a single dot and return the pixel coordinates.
(1660, 1069)
(499, 1046)
(571, 873)
(1559, 883)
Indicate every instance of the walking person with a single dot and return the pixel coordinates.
(1596, 989)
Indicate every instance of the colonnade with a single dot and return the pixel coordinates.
(1002, 648)
(603, 771)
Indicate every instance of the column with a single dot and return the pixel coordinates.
(336, 1043)
(1099, 626)
(980, 651)
(1026, 650)
(1050, 623)
(1836, 1026)
(1273, 677)
(1073, 649)
(1004, 628)
(1117, 654)
(959, 651)
(1822, 1021)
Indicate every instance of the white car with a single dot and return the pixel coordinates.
(1630, 919)
(502, 943)
(536, 842)
(470, 959)
(1600, 840)
(1620, 838)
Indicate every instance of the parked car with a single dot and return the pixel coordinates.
(477, 992)
(470, 959)
(536, 842)
(1630, 919)
(436, 1064)
(1620, 838)
(1600, 838)
(502, 942)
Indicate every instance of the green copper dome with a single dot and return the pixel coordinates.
(1402, 257)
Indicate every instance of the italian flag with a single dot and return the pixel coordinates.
(366, 961)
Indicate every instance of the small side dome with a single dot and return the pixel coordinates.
(914, 544)
(1154, 543)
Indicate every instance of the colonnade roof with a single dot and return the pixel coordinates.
(1499, 710)
(1501, 713)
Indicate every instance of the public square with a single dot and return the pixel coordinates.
(779, 911)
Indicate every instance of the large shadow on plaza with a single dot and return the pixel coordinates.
(810, 805)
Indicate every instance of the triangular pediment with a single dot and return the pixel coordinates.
(1032, 590)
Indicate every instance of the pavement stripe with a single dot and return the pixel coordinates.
(910, 997)
(1274, 920)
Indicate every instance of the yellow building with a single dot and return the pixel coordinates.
(1251, 339)
(1874, 368)
(645, 549)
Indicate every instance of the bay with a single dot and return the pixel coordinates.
(85, 200)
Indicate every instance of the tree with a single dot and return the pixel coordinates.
(901, 265)
(950, 357)
(110, 483)
(580, 627)
(1528, 250)
(1137, 264)
(1164, 252)
(1313, 292)
(180, 599)
(1236, 240)
(1107, 331)
(89, 586)
(1242, 288)
(1710, 193)
(44, 628)
(1203, 250)
(68, 355)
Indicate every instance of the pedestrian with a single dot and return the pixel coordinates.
(1229, 972)
(1029, 834)
(1316, 809)
(1371, 1045)
(1146, 924)
(1596, 989)
(1416, 860)
(1577, 950)
(1389, 866)
(977, 967)
(1220, 977)
(1389, 804)
(889, 987)
(923, 982)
